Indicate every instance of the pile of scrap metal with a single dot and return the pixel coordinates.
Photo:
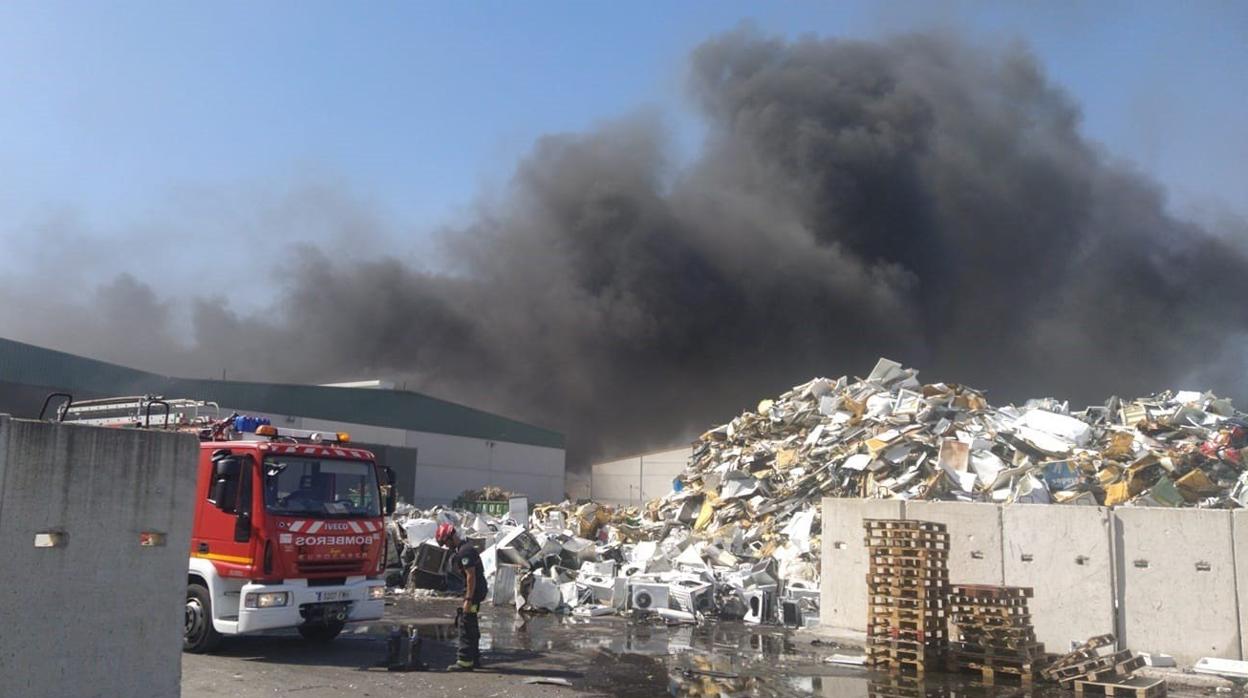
(592, 560)
(738, 536)
(890, 436)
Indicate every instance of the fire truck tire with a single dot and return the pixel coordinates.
(199, 635)
(320, 632)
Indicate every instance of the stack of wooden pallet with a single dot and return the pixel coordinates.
(1095, 667)
(897, 686)
(907, 580)
(994, 635)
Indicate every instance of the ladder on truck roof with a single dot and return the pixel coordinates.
(140, 411)
(157, 412)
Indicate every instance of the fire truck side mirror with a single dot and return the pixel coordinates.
(223, 492)
(387, 490)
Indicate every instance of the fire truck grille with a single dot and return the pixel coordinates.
(331, 566)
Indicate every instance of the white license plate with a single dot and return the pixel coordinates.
(333, 595)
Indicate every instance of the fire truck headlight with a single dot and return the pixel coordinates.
(375, 593)
(270, 599)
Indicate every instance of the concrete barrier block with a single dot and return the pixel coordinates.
(1176, 582)
(1239, 541)
(99, 613)
(843, 581)
(1064, 554)
(975, 551)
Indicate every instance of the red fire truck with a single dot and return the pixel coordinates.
(287, 531)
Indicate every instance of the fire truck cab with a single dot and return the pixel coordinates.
(288, 528)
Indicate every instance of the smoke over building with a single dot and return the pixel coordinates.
(918, 198)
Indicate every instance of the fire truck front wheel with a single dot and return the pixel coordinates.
(199, 635)
(320, 632)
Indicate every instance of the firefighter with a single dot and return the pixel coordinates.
(467, 561)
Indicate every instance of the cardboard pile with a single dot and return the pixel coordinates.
(907, 580)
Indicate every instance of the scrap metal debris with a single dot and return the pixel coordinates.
(738, 535)
(890, 436)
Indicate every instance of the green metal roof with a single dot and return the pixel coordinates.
(27, 364)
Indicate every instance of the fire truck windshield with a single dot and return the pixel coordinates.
(320, 486)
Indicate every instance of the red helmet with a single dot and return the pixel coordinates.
(445, 533)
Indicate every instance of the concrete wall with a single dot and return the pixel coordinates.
(447, 465)
(1165, 580)
(101, 615)
(843, 568)
(1064, 554)
(1176, 582)
(975, 549)
(637, 479)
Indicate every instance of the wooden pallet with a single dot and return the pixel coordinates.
(936, 583)
(878, 652)
(891, 552)
(883, 568)
(1033, 652)
(1117, 672)
(985, 591)
(931, 643)
(908, 524)
(1115, 667)
(999, 644)
(891, 612)
(992, 669)
(1002, 633)
(906, 534)
(896, 665)
(976, 616)
(907, 592)
(1090, 649)
(972, 602)
(907, 543)
(886, 632)
(1075, 670)
(902, 687)
(1012, 638)
(1134, 687)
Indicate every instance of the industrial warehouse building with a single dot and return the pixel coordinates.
(437, 448)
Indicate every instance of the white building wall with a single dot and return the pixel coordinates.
(447, 465)
(638, 479)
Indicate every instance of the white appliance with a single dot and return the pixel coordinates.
(503, 589)
(692, 595)
(758, 606)
(605, 568)
(602, 588)
(648, 597)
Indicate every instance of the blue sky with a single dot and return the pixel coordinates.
(110, 111)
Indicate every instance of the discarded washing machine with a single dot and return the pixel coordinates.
(600, 587)
(692, 595)
(648, 596)
(759, 606)
(518, 547)
(431, 558)
(503, 588)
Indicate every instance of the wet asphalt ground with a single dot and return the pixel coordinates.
(608, 656)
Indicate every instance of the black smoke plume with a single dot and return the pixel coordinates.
(917, 198)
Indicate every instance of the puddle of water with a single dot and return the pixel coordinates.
(634, 658)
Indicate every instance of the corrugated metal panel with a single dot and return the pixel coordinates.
(26, 364)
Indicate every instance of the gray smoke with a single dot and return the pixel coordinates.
(917, 198)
